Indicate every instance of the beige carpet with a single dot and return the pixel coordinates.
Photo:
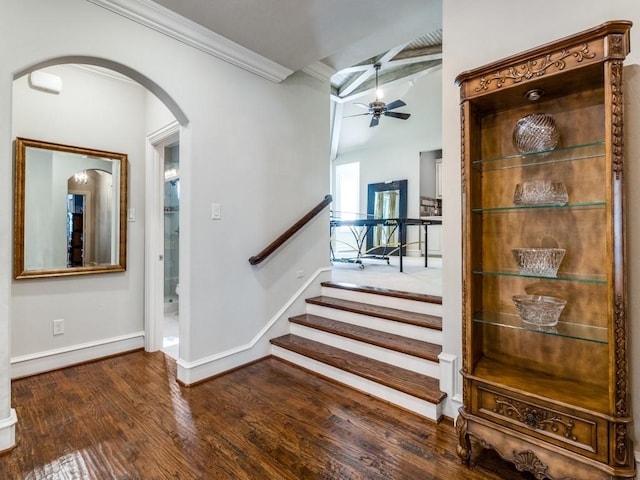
(376, 273)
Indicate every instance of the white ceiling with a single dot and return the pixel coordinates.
(298, 33)
(344, 39)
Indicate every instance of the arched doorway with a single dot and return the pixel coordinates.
(96, 309)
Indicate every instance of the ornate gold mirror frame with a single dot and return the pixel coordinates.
(70, 210)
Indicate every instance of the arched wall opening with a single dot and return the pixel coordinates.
(103, 314)
(125, 70)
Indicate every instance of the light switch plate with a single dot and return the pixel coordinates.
(216, 213)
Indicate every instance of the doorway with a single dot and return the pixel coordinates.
(171, 273)
(163, 313)
(75, 229)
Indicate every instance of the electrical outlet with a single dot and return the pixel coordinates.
(58, 326)
(299, 273)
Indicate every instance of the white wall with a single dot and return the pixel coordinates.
(157, 114)
(477, 33)
(259, 149)
(391, 151)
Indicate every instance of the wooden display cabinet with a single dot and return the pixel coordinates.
(555, 400)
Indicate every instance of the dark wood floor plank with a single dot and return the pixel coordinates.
(417, 297)
(398, 343)
(412, 318)
(126, 418)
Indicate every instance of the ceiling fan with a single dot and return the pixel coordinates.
(377, 108)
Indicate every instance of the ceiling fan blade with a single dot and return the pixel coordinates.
(356, 115)
(374, 120)
(395, 104)
(362, 105)
(402, 116)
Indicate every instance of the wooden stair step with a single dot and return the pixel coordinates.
(400, 379)
(418, 297)
(391, 341)
(412, 318)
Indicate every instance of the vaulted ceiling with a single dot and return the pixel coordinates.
(400, 63)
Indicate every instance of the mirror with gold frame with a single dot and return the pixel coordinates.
(70, 210)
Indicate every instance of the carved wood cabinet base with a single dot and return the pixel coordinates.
(545, 362)
(543, 461)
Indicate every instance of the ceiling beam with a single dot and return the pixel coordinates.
(399, 62)
(406, 73)
(417, 59)
(417, 52)
(370, 71)
(355, 83)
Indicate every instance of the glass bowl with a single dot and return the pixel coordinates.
(539, 310)
(535, 133)
(540, 192)
(540, 262)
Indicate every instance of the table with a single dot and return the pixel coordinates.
(362, 227)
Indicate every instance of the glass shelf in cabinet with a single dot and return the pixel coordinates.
(512, 208)
(561, 276)
(561, 329)
(562, 154)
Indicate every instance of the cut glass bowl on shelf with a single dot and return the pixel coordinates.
(535, 133)
(541, 262)
(540, 192)
(539, 310)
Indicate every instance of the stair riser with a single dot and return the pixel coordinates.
(375, 323)
(384, 301)
(408, 402)
(409, 362)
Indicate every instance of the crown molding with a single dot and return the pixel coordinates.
(167, 22)
(320, 71)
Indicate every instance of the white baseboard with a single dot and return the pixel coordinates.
(8, 431)
(48, 360)
(448, 370)
(449, 373)
(198, 370)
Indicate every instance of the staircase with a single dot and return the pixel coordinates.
(382, 342)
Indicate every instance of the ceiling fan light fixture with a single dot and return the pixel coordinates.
(377, 108)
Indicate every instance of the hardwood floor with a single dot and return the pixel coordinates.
(126, 418)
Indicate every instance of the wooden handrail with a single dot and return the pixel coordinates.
(277, 243)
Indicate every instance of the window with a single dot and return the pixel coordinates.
(346, 205)
(347, 201)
